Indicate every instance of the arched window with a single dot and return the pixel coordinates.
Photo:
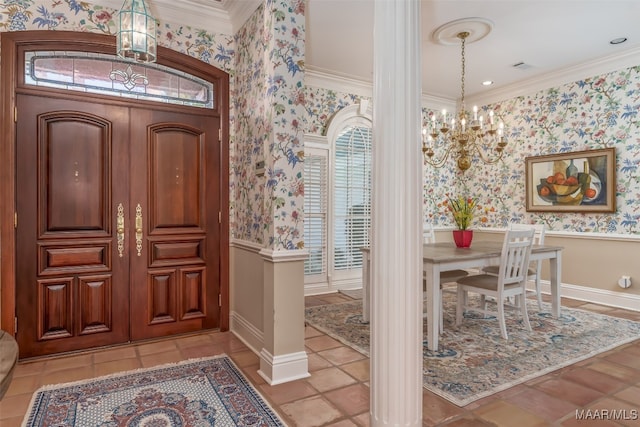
(104, 74)
(338, 201)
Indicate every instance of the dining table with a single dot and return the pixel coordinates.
(445, 256)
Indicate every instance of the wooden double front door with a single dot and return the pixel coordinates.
(118, 228)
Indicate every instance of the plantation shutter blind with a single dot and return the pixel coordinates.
(315, 208)
(352, 197)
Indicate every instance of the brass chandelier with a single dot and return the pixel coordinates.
(464, 136)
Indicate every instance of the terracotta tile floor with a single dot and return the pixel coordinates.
(337, 393)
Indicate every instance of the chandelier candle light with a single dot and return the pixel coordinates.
(463, 136)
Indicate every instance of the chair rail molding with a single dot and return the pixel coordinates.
(246, 245)
(284, 256)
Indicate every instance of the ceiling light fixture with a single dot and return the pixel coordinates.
(463, 136)
(619, 40)
(487, 83)
(136, 36)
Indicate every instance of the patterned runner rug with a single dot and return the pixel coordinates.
(473, 361)
(197, 392)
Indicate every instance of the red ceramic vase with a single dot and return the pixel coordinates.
(462, 238)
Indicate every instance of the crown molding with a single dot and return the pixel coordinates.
(325, 79)
(226, 17)
(605, 64)
(208, 17)
(240, 11)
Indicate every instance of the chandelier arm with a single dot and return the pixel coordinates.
(438, 162)
(485, 158)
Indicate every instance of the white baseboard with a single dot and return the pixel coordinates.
(274, 369)
(284, 368)
(251, 336)
(598, 296)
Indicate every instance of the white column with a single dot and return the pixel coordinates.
(396, 246)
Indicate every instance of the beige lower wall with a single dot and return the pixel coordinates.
(266, 298)
(588, 260)
(246, 294)
(284, 291)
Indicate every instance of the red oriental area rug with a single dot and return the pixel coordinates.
(197, 392)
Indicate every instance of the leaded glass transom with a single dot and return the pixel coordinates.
(109, 75)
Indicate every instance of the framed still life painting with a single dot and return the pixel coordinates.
(580, 181)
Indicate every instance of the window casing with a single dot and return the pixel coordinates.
(338, 208)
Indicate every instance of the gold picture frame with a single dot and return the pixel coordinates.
(579, 181)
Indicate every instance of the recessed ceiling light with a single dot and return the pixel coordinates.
(487, 83)
(618, 40)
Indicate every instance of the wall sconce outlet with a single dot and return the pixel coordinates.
(624, 282)
(260, 168)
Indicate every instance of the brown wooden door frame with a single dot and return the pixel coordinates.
(12, 81)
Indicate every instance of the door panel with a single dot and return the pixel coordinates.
(75, 172)
(69, 278)
(176, 178)
(55, 311)
(95, 306)
(162, 298)
(176, 184)
(193, 292)
(61, 257)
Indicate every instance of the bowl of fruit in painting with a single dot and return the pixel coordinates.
(558, 188)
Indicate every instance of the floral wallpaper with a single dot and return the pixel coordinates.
(321, 105)
(593, 113)
(268, 127)
(596, 112)
(70, 15)
(267, 101)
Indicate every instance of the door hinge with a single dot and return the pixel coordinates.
(219, 217)
(219, 134)
(15, 325)
(15, 220)
(15, 114)
(219, 300)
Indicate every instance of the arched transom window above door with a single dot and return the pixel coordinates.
(104, 74)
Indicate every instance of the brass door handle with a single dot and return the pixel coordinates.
(120, 229)
(139, 229)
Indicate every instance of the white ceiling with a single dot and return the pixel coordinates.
(549, 36)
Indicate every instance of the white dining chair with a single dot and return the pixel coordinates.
(535, 269)
(429, 236)
(509, 282)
